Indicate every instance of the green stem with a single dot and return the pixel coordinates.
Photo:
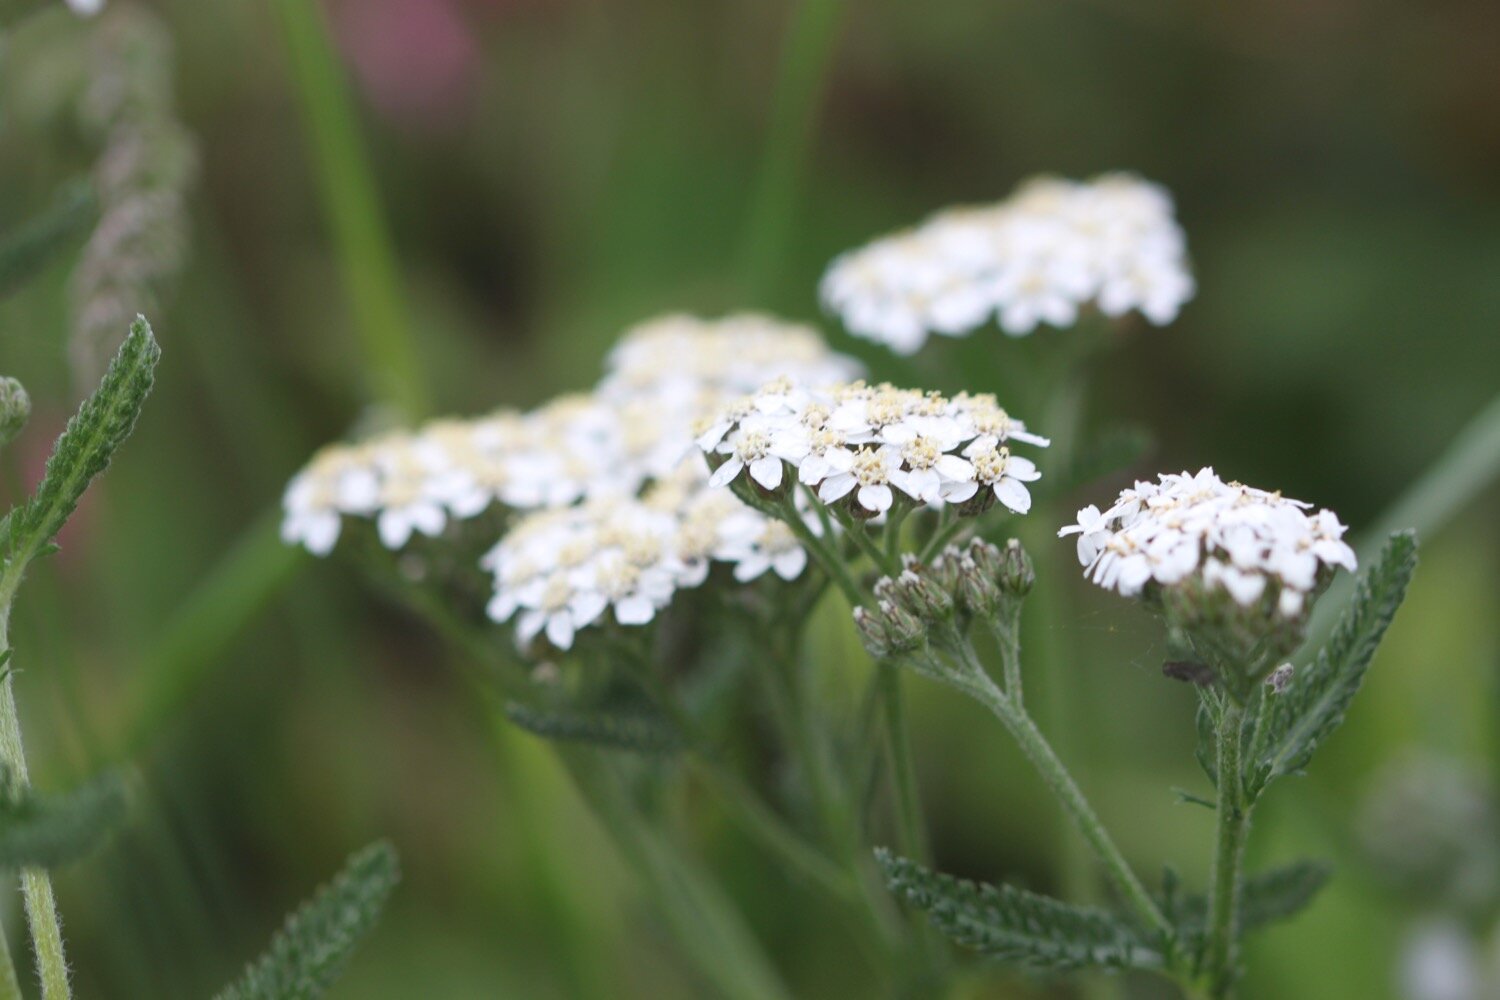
(910, 827)
(36, 885)
(804, 65)
(1234, 822)
(944, 535)
(365, 250)
(10, 987)
(977, 683)
(893, 533)
(820, 550)
(855, 529)
(1008, 638)
(706, 923)
(754, 816)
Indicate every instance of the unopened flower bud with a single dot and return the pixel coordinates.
(944, 571)
(924, 597)
(977, 589)
(15, 407)
(904, 629)
(873, 633)
(1017, 575)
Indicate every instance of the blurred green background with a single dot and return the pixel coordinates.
(551, 171)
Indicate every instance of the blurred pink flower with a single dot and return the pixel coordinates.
(416, 60)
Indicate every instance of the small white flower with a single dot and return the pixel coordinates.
(1239, 539)
(864, 442)
(86, 8)
(1006, 474)
(1038, 257)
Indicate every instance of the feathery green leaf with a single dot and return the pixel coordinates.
(638, 730)
(1016, 926)
(1313, 705)
(101, 424)
(311, 950)
(45, 831)
(28, 247)
(1265, 899)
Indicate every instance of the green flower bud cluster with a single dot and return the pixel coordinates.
(934, 603)
(15, 408)
(1242, 644)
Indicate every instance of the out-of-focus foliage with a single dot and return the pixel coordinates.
(554, 171)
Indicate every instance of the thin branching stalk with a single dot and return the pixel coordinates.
(36, 885)
(755, 817)
(1052, 770)
(910, 826)
(1233, 823)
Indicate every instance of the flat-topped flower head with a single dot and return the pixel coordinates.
(1038, 257)
(1225, 561)
(865, 446)
(670, 381)
(559, 571)
(563, 570)
(339, 481)
(674, 358)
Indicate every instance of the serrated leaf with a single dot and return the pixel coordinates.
(1207, 722)
(83, 451)
(27, 248)
(1265, 899)
(312, 948)
(1314, 703)
(636, 730)
(1019, 927)
(46, 831)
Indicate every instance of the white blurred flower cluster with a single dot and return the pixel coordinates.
(864, 443)
(1037, 257)
(1236, 538)
(611, 499)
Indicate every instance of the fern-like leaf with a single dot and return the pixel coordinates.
(1019, 927)
(1265, 899)
(1314, 703)
(636, 730)
(47, 831)
(312, 948)
(99, 427)
(28, 247)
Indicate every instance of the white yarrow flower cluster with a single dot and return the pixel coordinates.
(559, 571)
(1234, 537)
(869, 443)
(634, 429)
(1037, 257)
(614, 511)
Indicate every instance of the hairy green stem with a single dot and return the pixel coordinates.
(36, 885)
(10, 988)
(977, 683)
(1008, 637)
(1233, 824)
